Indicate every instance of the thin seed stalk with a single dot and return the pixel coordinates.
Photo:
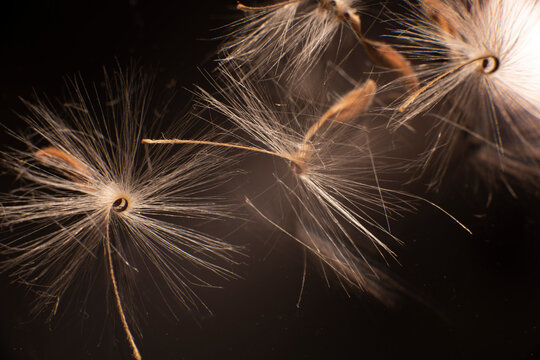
(293, 159)
(131, 340)
(414, 96)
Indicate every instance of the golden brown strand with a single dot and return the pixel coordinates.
(243, 7)
(293, 159)
(442, 76)
(136, 353)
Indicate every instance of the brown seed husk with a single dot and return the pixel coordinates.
(386, 56)
(353, 103)
(46, 154)
(441, 15)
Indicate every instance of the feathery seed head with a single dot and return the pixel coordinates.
(297, 32)
(493, 44)
(334, 190)
(478, 61)
(89, 188)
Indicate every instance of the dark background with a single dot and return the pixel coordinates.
(476, 296)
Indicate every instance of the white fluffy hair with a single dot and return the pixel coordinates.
(293, 33)
(480, 60)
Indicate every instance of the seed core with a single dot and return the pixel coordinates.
(119, 205)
